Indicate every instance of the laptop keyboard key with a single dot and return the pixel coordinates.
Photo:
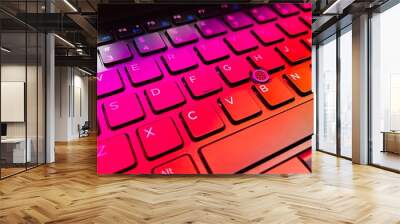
(183, 18)
(306, 19)
(263, 14)
(212, 51)
(238, 20)
(285, 9)
(267, 59)
(235, 71)
(180, 61)
(293, 27)
(239, 106)
(114, 53)
(182, 35)
(149, 43)
(159, 137)
(305, 6)
(105, 38)
(211, 27)
(157, 24)
(202, 83)
(300, 79)
(241, 42)
(274, 94)
(202, 121)
(114, 155)
(164, 96)
(294, 51)
(268, 34)
(143, 71)
(122, 110)
(181, 165)
(109, 82)
(307, 42)
(129, 31)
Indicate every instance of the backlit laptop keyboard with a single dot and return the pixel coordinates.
(222, 90)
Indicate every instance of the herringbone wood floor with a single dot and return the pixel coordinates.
(69, 191)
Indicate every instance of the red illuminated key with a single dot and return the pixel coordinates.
(235, 71)
(244, 148)
(114, 53)
(268, 59)
(307, 42)
(268, 34)
(293, 165)
(180, 165)
(202, 121)
(202, 82)
(149, 43)
(294, 51)
(180, 61)
(305, 6)
(212, 51)
(239, 106)
(263, 14)
(300, 79)
(292, 27)
(285, 9)
(211, 27)
(241, 42)
(306, 156)
(108, 82)
(306, 19)
(114, 155)
(122, 110)
(165, 96)
(238, 20)
(274, 94)
(143, 71)
(159, 138)
(182, 35)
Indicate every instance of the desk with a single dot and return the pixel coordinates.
(13, 150)
(391, 141)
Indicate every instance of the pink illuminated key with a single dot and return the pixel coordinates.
(211, 27)
(164, 96)
(239, 106)
(114, 155)
(307, 42)
(202, 82)
(241, 42)
(263, 14)
(143, 71)
(108, 82)
(306, 19)
(268, 34)
(159, 138)
(294, 51)
(212, 51)
(235, 71)
(114, 53)
(292, 27)
(149, 43)
(181, 165)
(180, 61)
(202, 121)
(122, 110)
(182, 35)
(238, 20)
(305, 6)
(285, 9)
(268, 59)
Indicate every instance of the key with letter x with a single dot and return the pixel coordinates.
(159, 137)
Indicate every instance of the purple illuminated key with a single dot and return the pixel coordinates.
(179, 61)
(108, 82)
(263, 14)
(143, 71)
(211, 27)
(149, 43)
(285, 9)
(241, 42)
(182, 35)
(114, 53)
(268, 34)
(238, 20)
(212, 51)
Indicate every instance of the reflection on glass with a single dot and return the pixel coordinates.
(327, 96)
(346, 94)
(385, 84)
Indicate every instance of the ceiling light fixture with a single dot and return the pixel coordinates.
(5, 50)
(70, 5)
(65, 41)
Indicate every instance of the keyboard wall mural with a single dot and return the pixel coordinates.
(204, 89)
